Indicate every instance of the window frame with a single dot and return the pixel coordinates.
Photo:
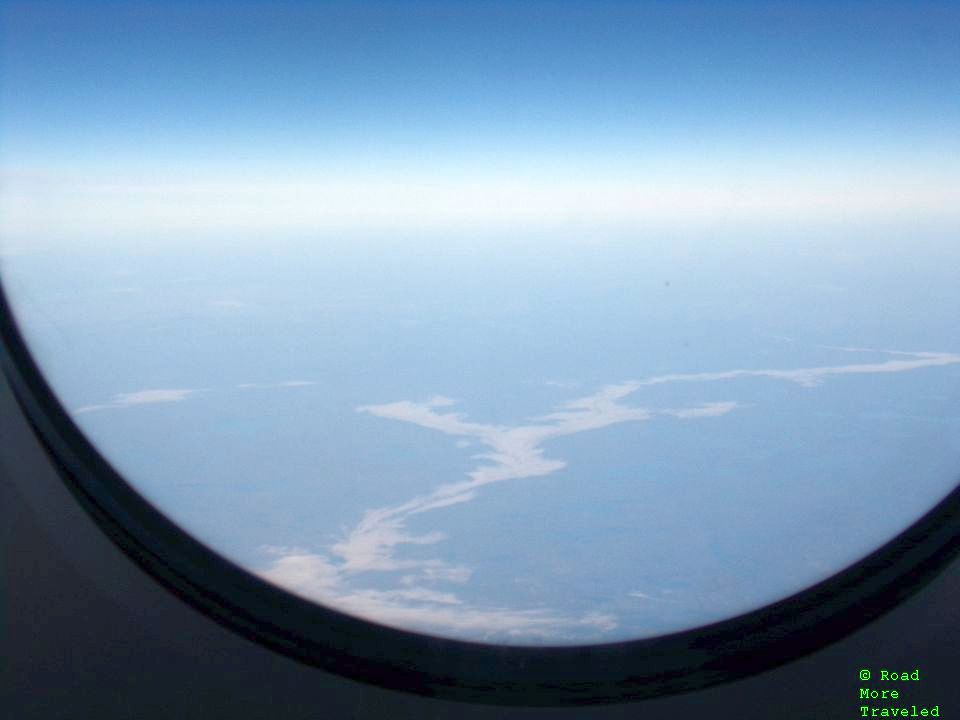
(455, 669)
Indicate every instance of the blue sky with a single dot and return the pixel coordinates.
(177, 116)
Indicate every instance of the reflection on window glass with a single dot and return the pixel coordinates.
(526, 323)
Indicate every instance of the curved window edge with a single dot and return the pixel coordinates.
(454, 669)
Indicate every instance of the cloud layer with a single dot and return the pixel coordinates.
(140, 397)
(376, 542)
(121, 401)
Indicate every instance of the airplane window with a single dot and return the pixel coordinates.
(524, 327)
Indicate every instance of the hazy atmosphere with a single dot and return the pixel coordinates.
(533, 323)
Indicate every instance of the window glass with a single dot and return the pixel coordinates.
(525, 323)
